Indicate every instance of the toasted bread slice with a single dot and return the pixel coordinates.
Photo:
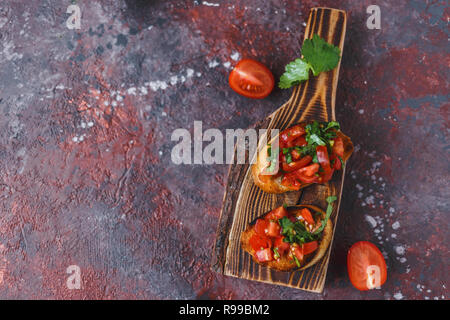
(272, 184)
(285, 263)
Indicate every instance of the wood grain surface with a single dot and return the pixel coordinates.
(243, 201)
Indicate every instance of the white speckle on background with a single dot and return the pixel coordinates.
(198, 74)
(227, 64)
(173, 80)
(361, 111)
(213, 64)
(143, 91)
(189, 73)
(371, 221)
(209, 4)
(396, 225)
(132, 91)
(90, 124)
(400, 250)
(398, 296)
(235, 56)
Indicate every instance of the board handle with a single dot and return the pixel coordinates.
(315, 98)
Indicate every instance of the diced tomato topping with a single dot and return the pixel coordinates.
(309, 170)
(295, 165)
(273, 229)
(281, 246)
(300, 142)
(324, 160)
(338, 147)
(322, 156)
(307, 174)
(307, 216)
(292, 133)
(261, 227)
(258, 242)
(296, 155)
(264, 255)
(336, 163)
(277, 213)
(298, 252)
(310, 247)
(290, 180)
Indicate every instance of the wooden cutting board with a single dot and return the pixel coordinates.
(244, 201)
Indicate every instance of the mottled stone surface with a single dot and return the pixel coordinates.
(86, 176)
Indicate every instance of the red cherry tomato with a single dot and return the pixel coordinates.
(251, 79)
(366, 266)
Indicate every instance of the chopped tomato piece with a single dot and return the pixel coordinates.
(277, 213)
(264, 255)
(295, 165)
(295, 154)
(324, 160)
(273, 229)
(322, 156)
(290, 180)
(300, 142)
(338, 147)
(292, 133)
(307, 179)
(310, 247)
(309, 170)
(336, 162)
(281, 246)
(261, 226)
(298, 252)
(307, 216)
(258, 242)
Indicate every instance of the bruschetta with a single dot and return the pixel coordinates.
(289, 238)
(307, 153)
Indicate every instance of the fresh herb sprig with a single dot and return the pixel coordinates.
(318, 56)
(296, 232)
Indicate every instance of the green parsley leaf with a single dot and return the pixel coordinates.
(296, 72)
(276, 255)
(320, 55)
(330, 201)
(296, 261)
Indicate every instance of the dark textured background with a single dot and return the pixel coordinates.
(86, 118)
